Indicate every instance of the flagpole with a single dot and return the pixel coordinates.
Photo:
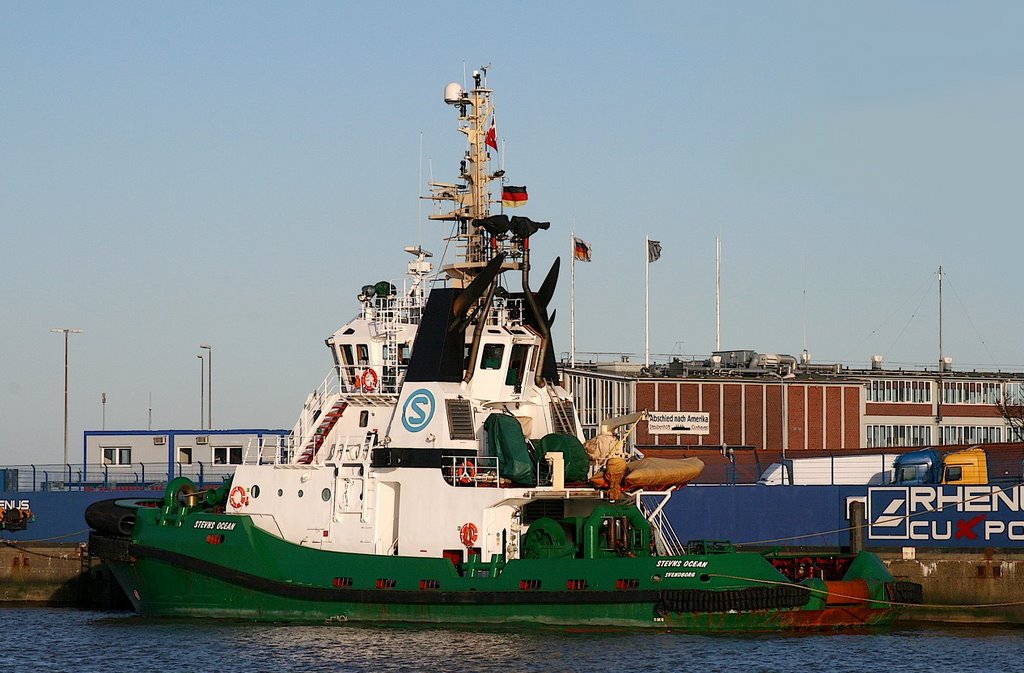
(647, 319)
(718, 293)
(572, 303)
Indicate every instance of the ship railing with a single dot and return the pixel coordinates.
(34, 478)
(387, 313)
(317, 402)
(348, 450)
(404, 305)
(544, 473)
(652, 505)
(372, 379)
(471, 471)
(270, 450)
(507, 311)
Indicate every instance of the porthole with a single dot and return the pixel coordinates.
(326, 494)
(300, 492)
(255, 491)
(280, 492)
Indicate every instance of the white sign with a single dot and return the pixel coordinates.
(679, 423)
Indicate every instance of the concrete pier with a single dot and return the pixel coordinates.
(982, 586)
(59, 574)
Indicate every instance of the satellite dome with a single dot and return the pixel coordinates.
(453, 93)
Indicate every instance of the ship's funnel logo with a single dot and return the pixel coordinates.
(418, 410)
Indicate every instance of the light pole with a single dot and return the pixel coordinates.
(202, 390)
(103, 401)
(67, 331)
(783, 380)
(209, 385)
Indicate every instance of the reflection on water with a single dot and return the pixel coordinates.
(71, 640)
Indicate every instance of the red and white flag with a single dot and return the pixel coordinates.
(491, 139)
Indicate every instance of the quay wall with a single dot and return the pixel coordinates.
(56, 574)
(973, 586)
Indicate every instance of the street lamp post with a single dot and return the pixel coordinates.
(66, 331)
(202, 390)
(103, 401)
(209, 384)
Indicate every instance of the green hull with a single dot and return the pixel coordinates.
(239, 571)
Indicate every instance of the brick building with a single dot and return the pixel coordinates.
(775, 403)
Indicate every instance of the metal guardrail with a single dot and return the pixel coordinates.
(78, 477)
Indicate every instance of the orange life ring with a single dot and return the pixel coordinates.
(369, 380)
(238, 498)
(468, 534)
(467, 471)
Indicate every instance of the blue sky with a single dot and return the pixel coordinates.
(232, 173)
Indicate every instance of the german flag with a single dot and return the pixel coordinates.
(581, 249)
(513, 197)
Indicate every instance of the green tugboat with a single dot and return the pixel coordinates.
(437, 475)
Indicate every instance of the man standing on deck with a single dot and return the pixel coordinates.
(606, 451)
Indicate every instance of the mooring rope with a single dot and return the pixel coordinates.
(62, 557)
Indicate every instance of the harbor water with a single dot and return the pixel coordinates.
(41, 639)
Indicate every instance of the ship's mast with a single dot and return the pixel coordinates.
(471, 198)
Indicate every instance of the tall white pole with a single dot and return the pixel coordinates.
(718, 293)
(647, 320)
(66, 331)
(942, 367)
(209, 385)
(572, 303)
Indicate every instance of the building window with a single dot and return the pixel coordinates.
(1014, 393)
(117, 455)
(185, 455)
(227, 455)
(901, 391)
(971, 434)
(880, 436)
(970, 392)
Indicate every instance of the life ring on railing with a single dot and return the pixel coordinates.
(468, 534)
(467, 471)
(369, 380)
(238, 498)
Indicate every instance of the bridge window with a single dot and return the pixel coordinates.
(516, 365)
(492, 355)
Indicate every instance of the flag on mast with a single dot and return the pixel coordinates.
(513, 197)
(580, 249)
(653, 251)
(491, 139)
